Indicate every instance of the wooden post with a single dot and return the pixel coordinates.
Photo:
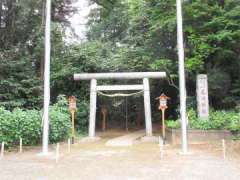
(72, 108)
(223, 149)
(161, 147)
(163, 125)
(69, 145)
(104, 122)
(20, 145)
(73, 126)
(2, 150)
(126, 113)
(57, 152)
(104, 114)
(138, 116)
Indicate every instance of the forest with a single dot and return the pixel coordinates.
(122, 36)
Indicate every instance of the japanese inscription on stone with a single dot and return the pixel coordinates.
(202, 96)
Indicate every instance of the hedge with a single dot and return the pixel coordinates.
(229, 120)
(27, 124)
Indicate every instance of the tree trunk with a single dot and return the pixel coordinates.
(0, 14)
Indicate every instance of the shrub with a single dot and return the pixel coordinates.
(173, 124)
(229, 120)
(234, 124)
(20, 123)
(217, 120)
(7, 126)
(27, 124)
(220, 119)
(60, 120)
(82, 116)
(29, 128)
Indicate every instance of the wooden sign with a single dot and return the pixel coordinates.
(72, 103)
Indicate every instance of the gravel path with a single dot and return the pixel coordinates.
(142, 161)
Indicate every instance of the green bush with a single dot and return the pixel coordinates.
(195, 123)
(27, 124)
(229, 120)
(217, 120)
(7, 126)
(29, 128)
(60, 120)
(173, 124)
(220, 119)
(82, 116)
(20, 123)
(234, 124)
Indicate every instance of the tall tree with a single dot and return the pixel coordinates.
(21, 48)
(143, 34)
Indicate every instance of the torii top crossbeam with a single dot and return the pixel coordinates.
(120, 75)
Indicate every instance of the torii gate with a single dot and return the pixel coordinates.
(131, 75)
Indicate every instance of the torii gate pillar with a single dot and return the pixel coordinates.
(93, 103)
(147, 107)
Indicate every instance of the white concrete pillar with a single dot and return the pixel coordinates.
(182, 81)
(147, 106)
(47, 56)
(93, 103)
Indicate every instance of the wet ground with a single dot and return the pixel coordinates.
(95, 161)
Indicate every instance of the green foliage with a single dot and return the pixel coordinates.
(26, 124)
(218, 120)
(82, 116)
(22, 49)
(60, 120)
(16, 88)
(173, 124)
(234, 124)
(196, 123)
(20, 124)
(146, 33)
(29, 125)
(229, 120)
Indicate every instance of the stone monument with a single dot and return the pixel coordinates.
(202, 96)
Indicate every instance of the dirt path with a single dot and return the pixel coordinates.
(141, 161)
